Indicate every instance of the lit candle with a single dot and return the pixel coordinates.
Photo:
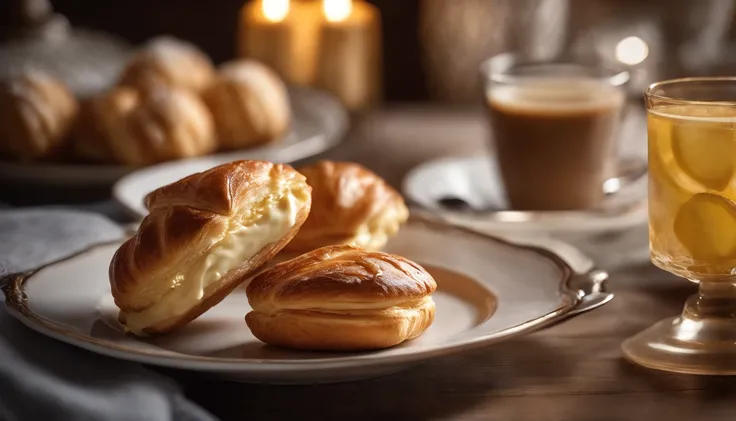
(283, 35)
(349, 63)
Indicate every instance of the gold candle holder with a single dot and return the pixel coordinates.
(349, 58)
(282, 35)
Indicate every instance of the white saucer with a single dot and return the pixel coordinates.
(476, 182)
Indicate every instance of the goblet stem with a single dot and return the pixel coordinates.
(709, 317)
(702, 340)
(714, 299)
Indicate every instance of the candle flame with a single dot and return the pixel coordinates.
(632, 51)
(337, 10)
(275, 10)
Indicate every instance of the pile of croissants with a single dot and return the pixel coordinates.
(307, 243)
(169, 103)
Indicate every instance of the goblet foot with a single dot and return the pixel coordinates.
(702, 340)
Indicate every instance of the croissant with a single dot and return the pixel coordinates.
(250, 105)
(36, 113)
(341, 298)
(350, 205)
(205, 234)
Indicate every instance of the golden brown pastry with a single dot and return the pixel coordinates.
(250, 105)
(205, 234)
(350, 205)
(341, 298)
(36, 113)
(99, 117)
(169, 61)
(132, 127)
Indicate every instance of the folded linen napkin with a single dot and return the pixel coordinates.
(43, 379)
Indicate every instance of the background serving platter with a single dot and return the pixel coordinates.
(489, 290)
(319, 123)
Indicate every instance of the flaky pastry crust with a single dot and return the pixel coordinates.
(341, 298)
(188, 221)
(250, 104)
(36, 114)
(350, 205)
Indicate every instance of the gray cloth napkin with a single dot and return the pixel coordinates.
(43, 379)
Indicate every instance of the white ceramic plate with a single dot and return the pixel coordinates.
(318, 124)
(476, 182)
(489, 290)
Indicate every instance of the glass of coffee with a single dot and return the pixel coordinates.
(554, 128)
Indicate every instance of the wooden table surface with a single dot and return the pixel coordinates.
(572, 371)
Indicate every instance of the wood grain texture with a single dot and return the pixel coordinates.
(573, 371)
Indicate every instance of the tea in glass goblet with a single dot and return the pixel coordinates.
(692, 223)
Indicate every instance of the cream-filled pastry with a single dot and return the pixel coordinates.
(205, 234)
(341, 298)
(350, 205)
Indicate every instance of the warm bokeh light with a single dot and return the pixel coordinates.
(337, 10)
(275, 10)
(632, 51)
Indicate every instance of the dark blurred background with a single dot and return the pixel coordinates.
(212, 25)
(430, 46)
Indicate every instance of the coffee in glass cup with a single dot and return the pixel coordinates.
(554, 127)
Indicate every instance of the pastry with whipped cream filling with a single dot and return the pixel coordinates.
(341, 298)
(205, 235)
(350, 205)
